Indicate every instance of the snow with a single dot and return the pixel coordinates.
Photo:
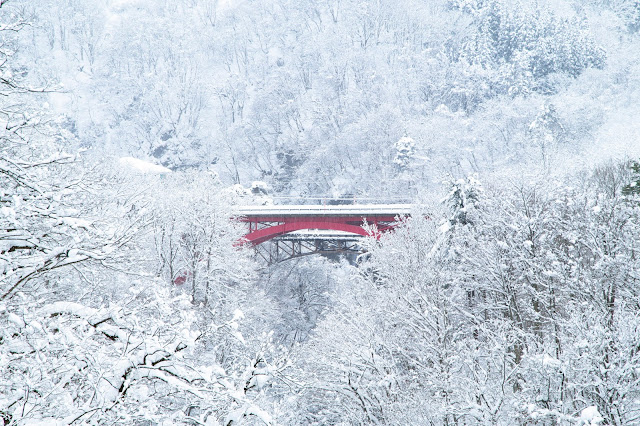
(363, 210)
(551, 362)
(260, 187)
(76, 223)
(445, 227)
(6, 245)
(320, 234)
(261, 414)
(237, 334)
(143, 166)
(302, 112)
(238, 315)
(236, 416)
(91, 315)
(8, 212)
(16, 320)
(51, 421)
(590, 416)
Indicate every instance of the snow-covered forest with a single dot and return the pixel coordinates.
(130, 129)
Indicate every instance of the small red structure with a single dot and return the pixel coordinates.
(181, 279)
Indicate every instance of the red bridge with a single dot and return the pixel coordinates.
(299, 230)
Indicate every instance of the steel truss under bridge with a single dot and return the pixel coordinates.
(305, 243)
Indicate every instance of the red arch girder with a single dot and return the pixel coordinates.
(265, 234)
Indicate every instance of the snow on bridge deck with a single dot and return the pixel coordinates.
(361, 210)
(319, 234)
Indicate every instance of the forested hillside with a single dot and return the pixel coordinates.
(131, 128)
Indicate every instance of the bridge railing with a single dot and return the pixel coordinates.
(361, 210)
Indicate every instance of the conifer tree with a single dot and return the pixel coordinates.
(633, 188)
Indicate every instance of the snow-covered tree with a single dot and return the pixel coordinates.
(546, 131)
(405, 152)
(634, 186)
(462, 198)
(46, 216)
(197, 241)
(539, 265)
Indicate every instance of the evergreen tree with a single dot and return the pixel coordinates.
(462, 198)
(633, 188)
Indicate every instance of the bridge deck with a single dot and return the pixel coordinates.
(360, 210)
(319, 235)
